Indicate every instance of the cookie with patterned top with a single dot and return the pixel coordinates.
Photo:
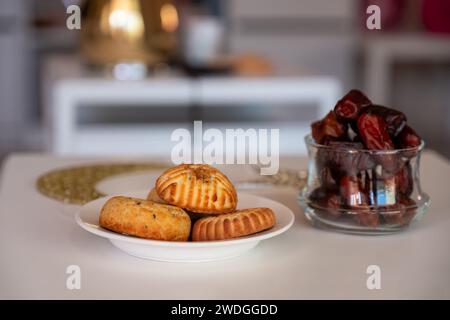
(198, 188)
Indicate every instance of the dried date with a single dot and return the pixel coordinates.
(350, 105)
(408, 138)
(395, 120)
(329, 128)
(373, 131)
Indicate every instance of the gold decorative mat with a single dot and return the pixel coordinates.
(76, 185)
(284, 178)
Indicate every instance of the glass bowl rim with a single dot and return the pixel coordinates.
(310, 142)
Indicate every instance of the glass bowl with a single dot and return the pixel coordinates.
(363, 191)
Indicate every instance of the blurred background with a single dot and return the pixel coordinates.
(137, 69)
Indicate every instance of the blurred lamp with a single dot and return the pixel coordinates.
(128, 31)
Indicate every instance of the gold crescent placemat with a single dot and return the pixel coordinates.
(76, 185)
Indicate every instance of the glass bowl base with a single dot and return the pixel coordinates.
(328, 225)
(319, 218)
(345, 227)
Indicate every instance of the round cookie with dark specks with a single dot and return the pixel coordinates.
(145, 219)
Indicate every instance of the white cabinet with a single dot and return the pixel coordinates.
(234, 95)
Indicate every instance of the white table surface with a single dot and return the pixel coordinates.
(39, 239)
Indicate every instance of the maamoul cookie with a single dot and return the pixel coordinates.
(232, 225)
(145, 219)
(197, 188)
(153, 196)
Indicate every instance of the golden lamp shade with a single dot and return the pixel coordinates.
(114, 31)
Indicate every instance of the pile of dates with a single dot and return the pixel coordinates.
(364, 164)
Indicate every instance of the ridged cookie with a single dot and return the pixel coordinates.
(153, 196)
(197, 188)
(232, 225)
(145, 219)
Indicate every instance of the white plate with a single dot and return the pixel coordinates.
(123, 183)
(87, 218)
